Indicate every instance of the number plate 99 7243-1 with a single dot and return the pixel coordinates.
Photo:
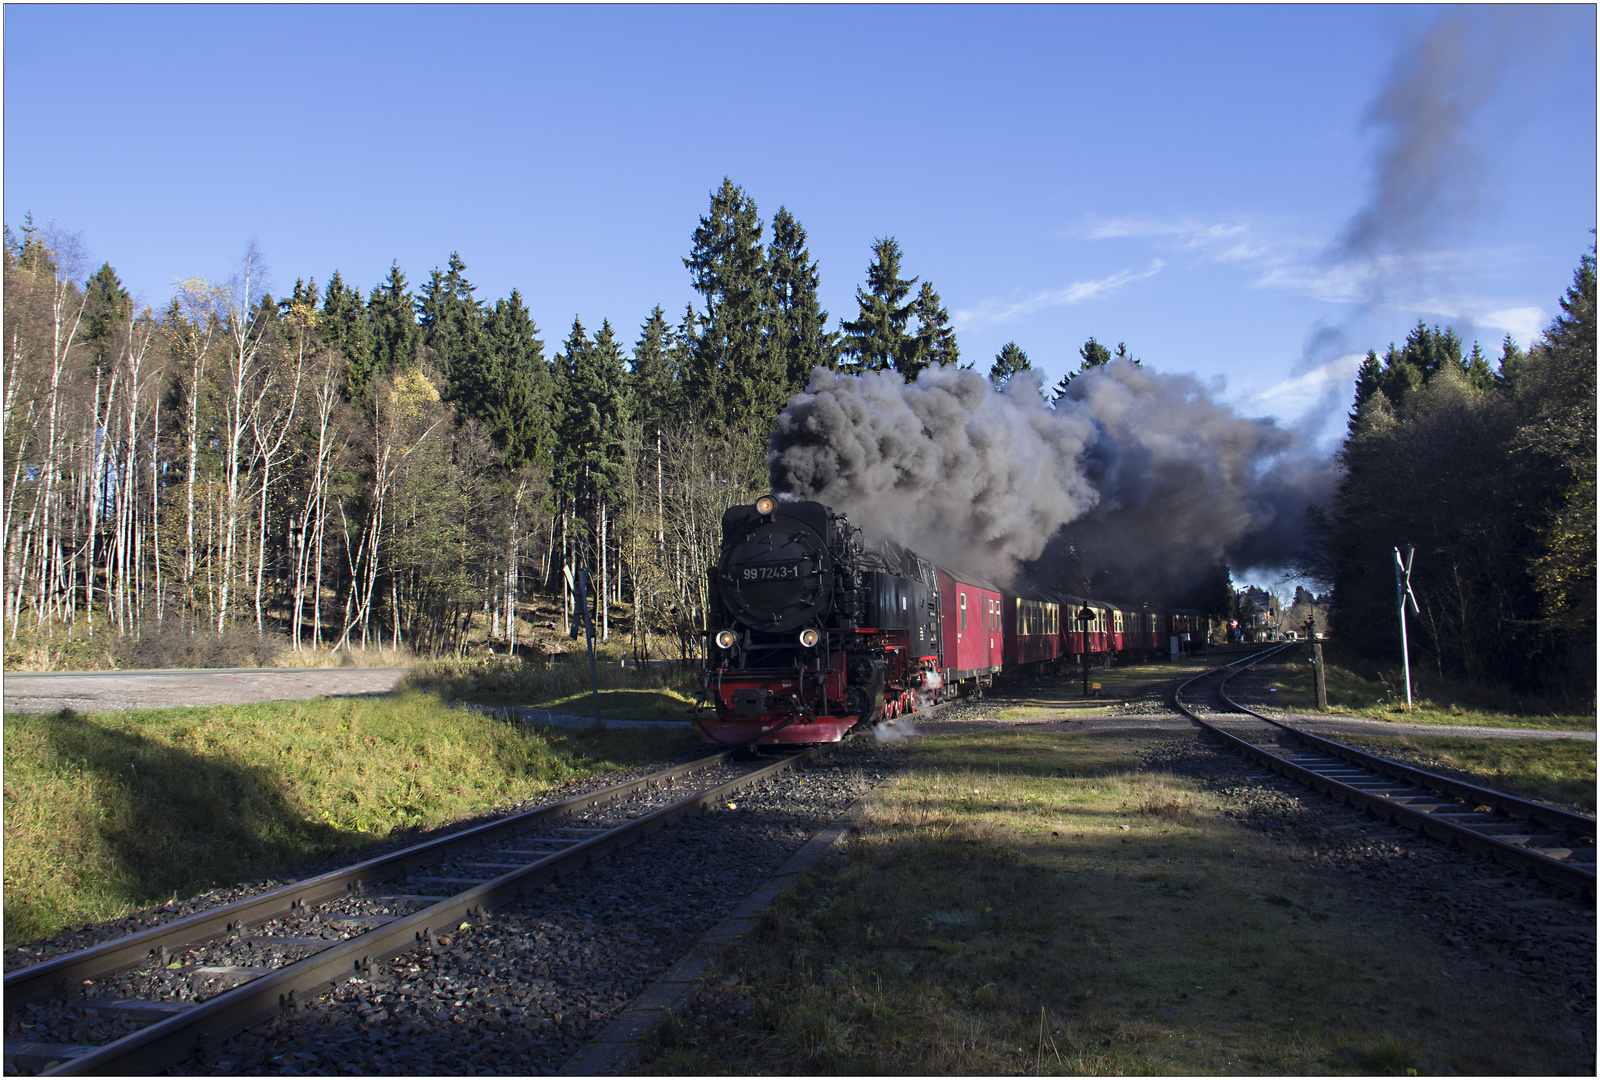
(776, 572)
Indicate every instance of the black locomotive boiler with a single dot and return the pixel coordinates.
(811, 632)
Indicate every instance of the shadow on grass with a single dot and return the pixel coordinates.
(163, 820)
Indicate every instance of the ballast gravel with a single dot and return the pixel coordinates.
(523, 989)
(1527, 939)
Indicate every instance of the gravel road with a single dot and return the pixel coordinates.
(105, 691)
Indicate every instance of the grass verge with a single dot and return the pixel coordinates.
(108, 813)
(1560, 771)
(1062, 697)
(1359, 688)
(1032, 903)
(654, 692)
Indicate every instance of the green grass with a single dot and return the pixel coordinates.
(1063, 697)
(661, 704)
(654, 692)
(1560, 771)
(108, 813)
(1359, 688)
(1034, 903)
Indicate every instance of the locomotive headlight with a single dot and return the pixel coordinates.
(725, 639)
(809, 637)
(766, 505)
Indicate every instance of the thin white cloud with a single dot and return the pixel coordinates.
(1295, 395)
(1296, 264)
(1235, 241)
(1522, 323)
(997, 311)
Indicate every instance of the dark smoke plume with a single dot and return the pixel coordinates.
(1134, 475)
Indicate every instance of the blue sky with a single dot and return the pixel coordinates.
(1178, 178)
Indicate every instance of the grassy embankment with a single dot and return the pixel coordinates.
(655, 692)
(1033, 903)
(1357, 687)
(1549, 769)
(108, 813)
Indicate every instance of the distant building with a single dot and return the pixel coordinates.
(1260, 616)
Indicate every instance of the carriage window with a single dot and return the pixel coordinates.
(902, 603)
(963, 611)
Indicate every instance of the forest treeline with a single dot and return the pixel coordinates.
(349, 469)
(410, 465)
(1488, 471)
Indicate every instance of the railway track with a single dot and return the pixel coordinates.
(175, 989)
(1555, 845)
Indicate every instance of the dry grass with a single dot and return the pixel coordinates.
(1033, 903)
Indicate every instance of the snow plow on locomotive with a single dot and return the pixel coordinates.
(810, 631)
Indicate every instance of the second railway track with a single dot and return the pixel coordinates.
(1553, 844)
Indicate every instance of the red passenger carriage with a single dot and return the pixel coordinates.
(811, 632)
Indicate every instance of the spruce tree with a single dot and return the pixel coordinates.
(936, 338)
(735, 370)
(1091, 355)
(652, 378)
(800, 325)
(105, 310)
(343, 323)
(450, 319)
(1369, 381)
(877, 339)
(593, 412)
(515, 394)
(1010, 360)
(392, 315)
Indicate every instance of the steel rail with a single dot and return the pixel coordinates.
(1389, 807)
(209, 1023)
(121, 953)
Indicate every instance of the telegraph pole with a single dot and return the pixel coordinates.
(1402, 587)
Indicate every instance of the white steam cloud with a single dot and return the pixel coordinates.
(1134, 472)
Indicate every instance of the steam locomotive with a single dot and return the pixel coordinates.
(811, 631)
